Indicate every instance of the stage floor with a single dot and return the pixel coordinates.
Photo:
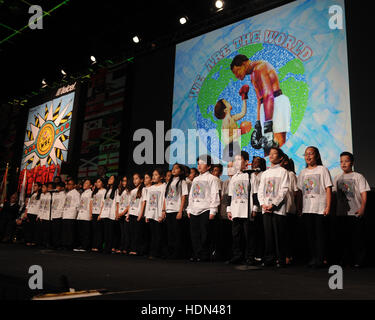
(137, 278)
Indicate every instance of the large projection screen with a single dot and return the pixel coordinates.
(310, 60)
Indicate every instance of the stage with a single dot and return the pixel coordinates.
(121, 277)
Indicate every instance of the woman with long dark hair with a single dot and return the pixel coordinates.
(96, 203)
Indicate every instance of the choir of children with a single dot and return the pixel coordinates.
(254, 211)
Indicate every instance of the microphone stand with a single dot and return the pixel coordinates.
(50, 214)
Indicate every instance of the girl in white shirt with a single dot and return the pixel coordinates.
(84, 218)
(272, 192)
(316, 185)
(44, 216)
(31, 215)
(97, 200)
(122, 206)
(135, 211)
(108, 215)
(155, 213)
(176, 193)
(291, 210)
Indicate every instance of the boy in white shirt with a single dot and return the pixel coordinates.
(239, 212)
(350, 189)
(70, 211)
(203, 205)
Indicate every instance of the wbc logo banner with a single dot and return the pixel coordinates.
(46, 140)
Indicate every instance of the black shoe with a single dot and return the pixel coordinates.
(192, 259)
(234, 260)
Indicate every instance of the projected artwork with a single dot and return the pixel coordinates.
(46, 139)
(289, 53)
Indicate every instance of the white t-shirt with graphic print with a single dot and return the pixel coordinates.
(348, 188)
(313, 184)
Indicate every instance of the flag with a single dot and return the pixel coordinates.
(21, 201)
(4, 187)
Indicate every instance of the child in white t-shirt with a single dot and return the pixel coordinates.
(272, 192)
(176, 193)
(155, 214)
(291, 210)
(350, 189)
(96, 203)
(204, 200)
(122, 206)
(135, 215)
(316, 185)
(84, 219)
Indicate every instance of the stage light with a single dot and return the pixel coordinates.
(136, 39)
(63, 72)
(44, 83)
(219, 4)
(183, 20)
(92, 58)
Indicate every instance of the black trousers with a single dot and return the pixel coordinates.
(243, 235)
(84, 234)
(117, 233)
(96, 232)
(132, 227)
(56, 232)
(108, 233)
(157, 247)
(68, 233)
(224, 243)
(46, 233)
(291, 223)
(199, 235)
(175, 235)
(30, 228)
(259, 235)
(122, 245)
(351, 240)
(275, 237)
(316, 236)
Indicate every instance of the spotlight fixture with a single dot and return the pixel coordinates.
(93, 60)
(136, 39)
(44, 83)
(183, 20)
(63, 72)
(219, 4)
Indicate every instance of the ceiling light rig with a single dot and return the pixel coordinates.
(183, 20)
(219, 4)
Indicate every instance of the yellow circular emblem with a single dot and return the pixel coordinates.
(45, 140)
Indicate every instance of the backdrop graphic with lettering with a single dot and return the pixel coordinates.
(310, 60)
(46, 139)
